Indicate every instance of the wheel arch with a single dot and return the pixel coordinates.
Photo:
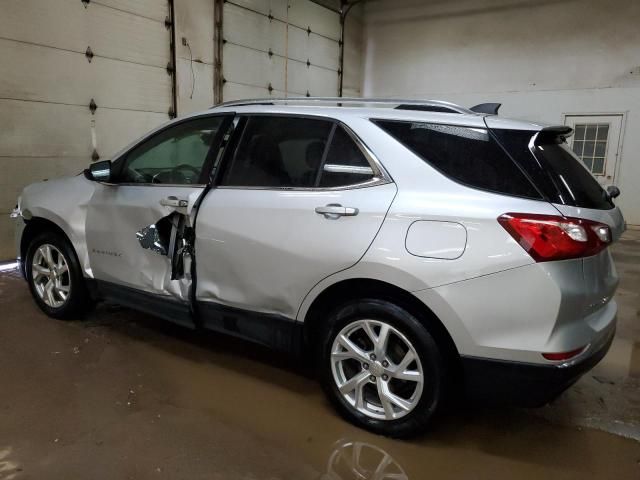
(357, 288)
(33, 227)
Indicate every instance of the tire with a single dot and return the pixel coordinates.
(58, 286)
(397, 392)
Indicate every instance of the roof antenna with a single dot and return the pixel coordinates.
(488, 108)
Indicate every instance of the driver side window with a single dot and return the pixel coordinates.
(174, 156)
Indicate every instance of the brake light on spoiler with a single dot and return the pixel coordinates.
(554, 237)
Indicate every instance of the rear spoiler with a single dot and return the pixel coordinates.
(563, 130)
(557, 131)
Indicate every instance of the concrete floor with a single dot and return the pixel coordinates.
(126, 396)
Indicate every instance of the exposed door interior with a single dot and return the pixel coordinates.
(596, 140)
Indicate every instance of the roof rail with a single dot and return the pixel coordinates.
(402, 104)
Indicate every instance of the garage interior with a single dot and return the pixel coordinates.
(124, 395)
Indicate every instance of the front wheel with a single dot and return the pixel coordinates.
(382, 368)
(55, 278)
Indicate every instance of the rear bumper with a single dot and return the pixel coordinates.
(502, 382)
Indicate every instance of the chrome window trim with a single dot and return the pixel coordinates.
(372, 182)
(131, 184)
(337, 168)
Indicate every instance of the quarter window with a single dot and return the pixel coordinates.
(345, 163)
(467, 155)
(174, 156)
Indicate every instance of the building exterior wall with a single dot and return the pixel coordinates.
(540, 59)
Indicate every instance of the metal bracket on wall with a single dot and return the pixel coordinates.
(93, 106)
(171, 66)
(86, 3)
(218, 42)
(89, 54)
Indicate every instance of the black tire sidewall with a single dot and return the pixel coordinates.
(416, 421)
(77, 300)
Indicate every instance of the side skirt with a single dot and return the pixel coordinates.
(165, 307)
(270, 330)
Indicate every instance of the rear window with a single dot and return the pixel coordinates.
(554, 168)
(470, 156)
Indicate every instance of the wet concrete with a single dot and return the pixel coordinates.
(124, 395)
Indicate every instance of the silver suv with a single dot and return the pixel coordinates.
(415, 251)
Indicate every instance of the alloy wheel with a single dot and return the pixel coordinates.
(376, 369)
(50, 273)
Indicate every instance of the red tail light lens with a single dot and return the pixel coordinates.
(553, 237)
(563, 355)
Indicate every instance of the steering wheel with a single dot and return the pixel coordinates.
(170, 176)
(185, 166)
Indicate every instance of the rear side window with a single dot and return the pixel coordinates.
(467, 155)
(278, 152)
(554, 168)
(295, 152)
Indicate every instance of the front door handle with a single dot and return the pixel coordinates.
(335, 210)
(174, 202)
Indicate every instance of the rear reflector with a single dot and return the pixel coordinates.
(553, 237)
(563, 355)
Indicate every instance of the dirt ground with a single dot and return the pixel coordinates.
(126, 396)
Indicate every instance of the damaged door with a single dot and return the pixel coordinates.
(140, 226)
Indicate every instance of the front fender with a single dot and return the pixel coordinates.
(63, 202)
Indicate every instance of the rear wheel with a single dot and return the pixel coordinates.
(382, 368)
(55, 278)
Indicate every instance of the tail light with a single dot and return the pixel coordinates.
(553, 237)
(559, 356)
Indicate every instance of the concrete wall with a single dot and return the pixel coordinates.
(541, 59)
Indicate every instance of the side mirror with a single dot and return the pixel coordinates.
(613, 191)
(99, 171)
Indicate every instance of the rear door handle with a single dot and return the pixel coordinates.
(335, 210)
(174, 202)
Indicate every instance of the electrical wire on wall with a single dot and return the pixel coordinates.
(185, 42)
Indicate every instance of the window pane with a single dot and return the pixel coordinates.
(579, 132)
(591, 132)
(601, 148)
(278, 152)
(588, 149)
(467, 155)
(598, 166)
(588, 161)
(577, 147)
(174, 156)
(603, 131)
(345, 163)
